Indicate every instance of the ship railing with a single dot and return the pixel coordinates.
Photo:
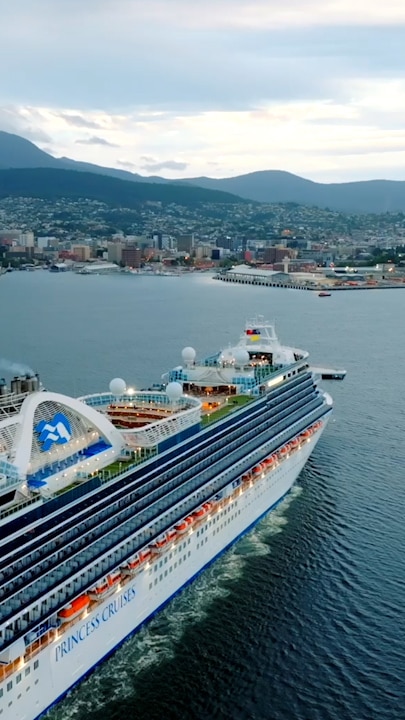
(18, 506)
(105, 475)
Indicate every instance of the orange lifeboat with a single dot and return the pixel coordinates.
(307, 434)
(145, 555)
(284, 451)
(75, 608)
(294, 443)
(171, 535)
(199, 513)
(106, 586)
(159, 544)
(258, 469)
(246, 477)
(207, 506)
(132, 565)
(183, 525)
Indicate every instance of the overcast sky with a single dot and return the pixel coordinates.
(184, 88)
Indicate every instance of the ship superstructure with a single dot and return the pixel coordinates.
(110, 503)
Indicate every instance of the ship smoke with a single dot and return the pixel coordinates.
(15, 368)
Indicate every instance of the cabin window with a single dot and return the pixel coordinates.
(18, 678)
(9, 685)
(36, 663)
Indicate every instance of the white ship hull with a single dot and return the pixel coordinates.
(37, 685)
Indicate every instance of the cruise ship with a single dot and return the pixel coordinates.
(112, 502)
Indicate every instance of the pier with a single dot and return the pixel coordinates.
(268, 281)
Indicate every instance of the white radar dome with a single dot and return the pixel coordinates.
(174, 391)
(241, 356)
(117, 386)
(227, 356)
(188, 354)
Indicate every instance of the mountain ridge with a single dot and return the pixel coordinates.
(269, 186)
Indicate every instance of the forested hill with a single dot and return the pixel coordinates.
(49, 184)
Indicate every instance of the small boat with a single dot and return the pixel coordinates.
(323, 293)
(133, 564)
(159, 544)
(258, 469)
(105, 587)
(184, 525)
(74, 609)
(171, 535)
(145, 555)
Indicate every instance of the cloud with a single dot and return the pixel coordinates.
(23, 121)
(164, 165)
(79, 121)
(126, 164)
(94, 140)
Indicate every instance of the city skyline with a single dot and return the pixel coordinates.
(220, 89)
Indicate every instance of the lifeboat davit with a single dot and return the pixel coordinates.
(105, 587)
(74, 609)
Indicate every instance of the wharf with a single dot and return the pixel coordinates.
(313, 287)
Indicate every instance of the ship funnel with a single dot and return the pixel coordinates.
(29, 383)
(16, 385)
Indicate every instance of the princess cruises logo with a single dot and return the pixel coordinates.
(56, 431)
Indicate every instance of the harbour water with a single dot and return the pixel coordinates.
(303, 619)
